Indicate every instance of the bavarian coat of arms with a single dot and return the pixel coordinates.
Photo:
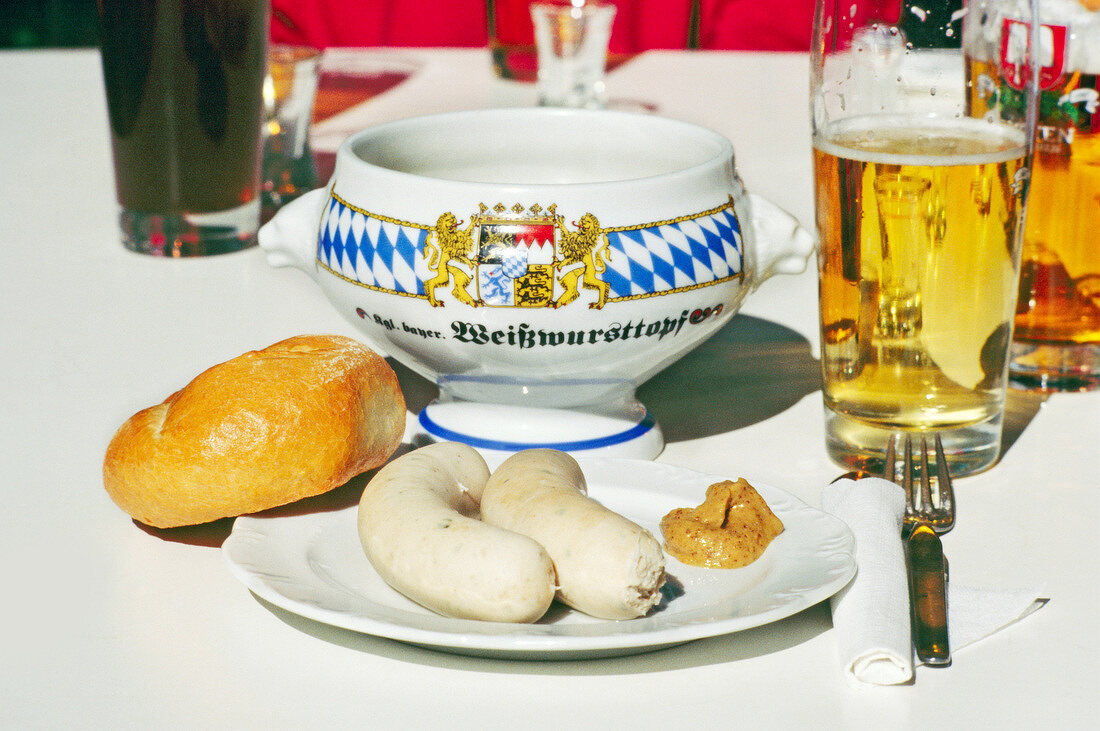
(517, 258)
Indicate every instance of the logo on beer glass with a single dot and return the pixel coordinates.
(1014, 57)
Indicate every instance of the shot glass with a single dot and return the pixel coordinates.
(920, 212)
(572, 53)
(1056, 341)
(184, 83)
(289, 93)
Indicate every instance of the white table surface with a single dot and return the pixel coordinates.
(103, 625)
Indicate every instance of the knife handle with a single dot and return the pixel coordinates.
(928, 596)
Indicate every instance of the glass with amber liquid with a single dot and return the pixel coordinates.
(1056, 344)
(920, 215)
(512, 40)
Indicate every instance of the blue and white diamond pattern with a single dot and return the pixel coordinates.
(644, 261)
(672, 256)
(514, 262)
(366, 249)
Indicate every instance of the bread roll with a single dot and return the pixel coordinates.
(269, 427)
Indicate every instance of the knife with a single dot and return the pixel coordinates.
(928, 595)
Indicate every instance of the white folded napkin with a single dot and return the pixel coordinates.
(871, 614)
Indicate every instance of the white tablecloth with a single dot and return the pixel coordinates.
(103, 625)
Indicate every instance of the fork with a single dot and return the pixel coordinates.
(927, 514)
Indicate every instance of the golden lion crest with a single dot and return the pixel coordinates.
(588, 247)
(446, 245)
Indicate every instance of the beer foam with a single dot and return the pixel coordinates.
(982, 30)
(921, 140)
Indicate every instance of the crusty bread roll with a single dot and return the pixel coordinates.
(269, 427)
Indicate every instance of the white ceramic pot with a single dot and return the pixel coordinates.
(537, 264)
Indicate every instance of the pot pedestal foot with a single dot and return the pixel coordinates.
(498, 430)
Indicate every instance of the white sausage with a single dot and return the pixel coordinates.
(416, 528)
(607, 566)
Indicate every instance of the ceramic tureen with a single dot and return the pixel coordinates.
(537, 264)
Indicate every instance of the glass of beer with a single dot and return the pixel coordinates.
(184, 82)
(1056, 345)
(920, 212)
(512, 40)
(288, 172)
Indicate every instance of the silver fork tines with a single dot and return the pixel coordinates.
(934, 507)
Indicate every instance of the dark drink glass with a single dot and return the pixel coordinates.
(184, 82)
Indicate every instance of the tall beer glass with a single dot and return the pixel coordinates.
(184, 82)
(920, 212)
(1057, 337)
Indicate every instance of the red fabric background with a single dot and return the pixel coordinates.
(769, 25)
(756, 25)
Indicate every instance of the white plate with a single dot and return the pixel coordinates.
(312, 565)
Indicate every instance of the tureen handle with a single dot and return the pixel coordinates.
(782, 245)
(290, 238)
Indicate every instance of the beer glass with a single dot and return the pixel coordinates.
(512, 40)
(920, 212)
(184, 94)
(1056, 344)
(288, 172)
